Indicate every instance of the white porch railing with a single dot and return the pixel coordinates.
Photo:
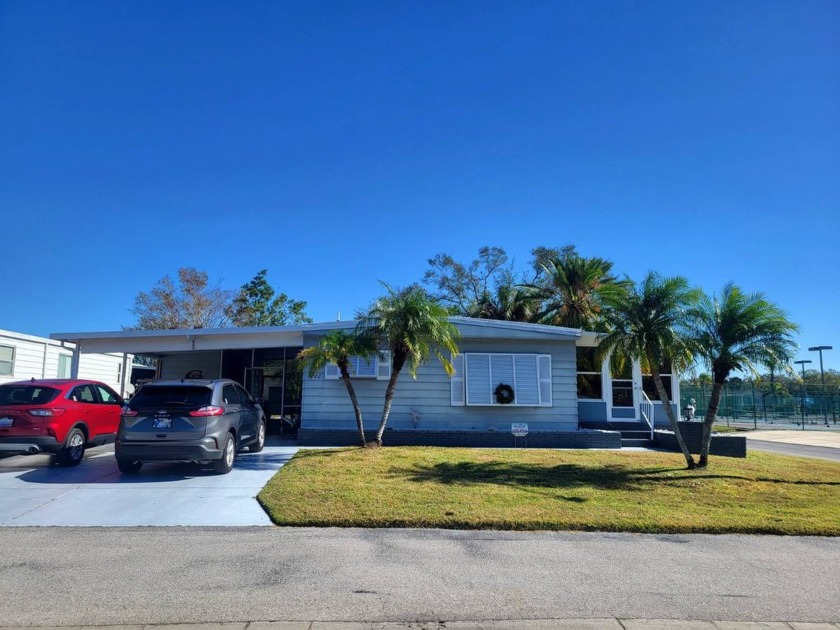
(646, 411)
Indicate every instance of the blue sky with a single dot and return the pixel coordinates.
(339, 144)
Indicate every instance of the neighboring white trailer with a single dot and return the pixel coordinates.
(27, 356)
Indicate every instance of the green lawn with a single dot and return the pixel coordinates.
(554, 490)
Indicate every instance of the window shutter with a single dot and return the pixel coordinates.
(479, 390)
(502, 372)
(383, 366)
(331, 372)
(545, 379)
(527, 380)
(456, 394)
(364, 367)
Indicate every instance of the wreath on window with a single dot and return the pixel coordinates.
(504, 394)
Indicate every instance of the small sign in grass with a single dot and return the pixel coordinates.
(554, 490)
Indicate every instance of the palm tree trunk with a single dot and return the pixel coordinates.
(386, 410)
(708, 421)
(672, 418)
(356, 408)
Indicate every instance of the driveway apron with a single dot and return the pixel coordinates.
(35, 492)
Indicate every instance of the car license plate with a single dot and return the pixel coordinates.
(162, 423)
(6, 422)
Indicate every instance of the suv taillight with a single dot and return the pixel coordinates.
(128, 411)
(40, 413)
(209, 410)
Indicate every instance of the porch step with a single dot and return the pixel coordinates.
(615, 426)
(631, 442)
(633, 434)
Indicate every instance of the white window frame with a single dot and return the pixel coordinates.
(11, 361)
(381, 369)
(461, 380)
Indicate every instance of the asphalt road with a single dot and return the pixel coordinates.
(93, 576)
(800, 450)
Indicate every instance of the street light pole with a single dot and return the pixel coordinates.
(804, 389)
(822, 376)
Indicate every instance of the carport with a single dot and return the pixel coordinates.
(261, 359)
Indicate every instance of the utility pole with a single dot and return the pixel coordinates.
(804, 389)
(822, 377)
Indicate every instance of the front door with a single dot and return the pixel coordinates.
(266, 384)
(623, 402)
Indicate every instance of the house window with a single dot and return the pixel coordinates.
(7, 360)
(377, 367)
(588, 374)
(649, 387)
(64, 365)
(478, 375)
(622, 386)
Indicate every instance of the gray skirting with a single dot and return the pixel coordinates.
(535, 439)
(692, 432)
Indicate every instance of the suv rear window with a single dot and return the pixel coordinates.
(27, 394)
(171, 396)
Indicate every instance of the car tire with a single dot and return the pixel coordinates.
(224, 464)
(73, 451)
(129, 466)
(257, 446)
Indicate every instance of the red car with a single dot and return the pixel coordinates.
(60, 416)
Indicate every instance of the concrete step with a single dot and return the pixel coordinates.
(625, 443)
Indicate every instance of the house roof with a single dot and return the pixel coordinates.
(183, 340)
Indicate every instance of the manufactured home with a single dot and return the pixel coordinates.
(544, 377)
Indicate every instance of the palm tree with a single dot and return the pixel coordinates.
(737, 331)
(648, 323)
(575, 288)
(337, 347)
(510, 303)
(413, 325)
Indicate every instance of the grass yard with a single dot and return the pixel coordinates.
(554, 490)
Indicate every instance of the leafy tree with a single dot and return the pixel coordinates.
(575, 288)
(258, 304)
(736, 331)
(648, 322)
(462, 287)
(188, 303)
(337, 347)
(413, 325)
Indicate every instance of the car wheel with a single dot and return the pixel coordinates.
(224, 464)
(74, 449)
(129, 467)
(257, 446)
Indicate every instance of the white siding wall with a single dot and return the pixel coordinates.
(37, 357)
(327, 405)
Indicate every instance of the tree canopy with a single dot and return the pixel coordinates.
(258, 304)
(188, 302)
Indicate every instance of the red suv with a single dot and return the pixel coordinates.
(60, 416)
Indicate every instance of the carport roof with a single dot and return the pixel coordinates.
(183, 340)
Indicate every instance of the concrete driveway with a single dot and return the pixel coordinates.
(35, 492)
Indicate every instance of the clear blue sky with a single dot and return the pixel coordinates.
(339, 144)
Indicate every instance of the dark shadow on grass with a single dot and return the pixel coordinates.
(532, 477)
(525, 476)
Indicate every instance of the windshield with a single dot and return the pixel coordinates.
(171, 396)
(26, 394)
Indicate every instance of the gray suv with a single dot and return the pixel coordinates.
(189, 420)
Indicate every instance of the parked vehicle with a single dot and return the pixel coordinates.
(189, 420)
(60, 416)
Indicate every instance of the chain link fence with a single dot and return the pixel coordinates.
(746, 402)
